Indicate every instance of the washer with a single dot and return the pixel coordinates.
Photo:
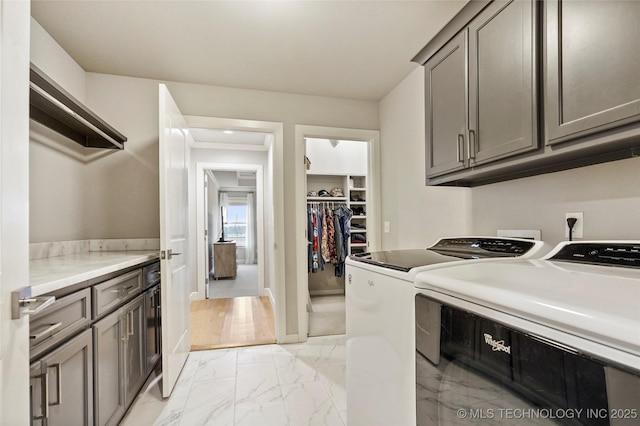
(544, 340)
(380, 321)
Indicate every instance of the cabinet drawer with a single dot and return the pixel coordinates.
(62, 319)
(112, 293)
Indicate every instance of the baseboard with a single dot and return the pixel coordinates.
(292, 338)
(337, 292)
(269, 293)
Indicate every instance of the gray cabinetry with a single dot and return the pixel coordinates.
(502, 81)
(62, 384)
(64, 318)
(592, 67)
(120, 362)
(108, 335)
(135, 361)
(152, 326)
(111, 293)
(446, 107)
(481, 90)
(88, 365)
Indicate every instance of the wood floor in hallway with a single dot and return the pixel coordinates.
(233, 322)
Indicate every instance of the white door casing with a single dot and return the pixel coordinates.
(206, 236)
(14, 208)
(372, 137)
(174, 240)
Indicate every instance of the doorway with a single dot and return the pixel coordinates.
(358, 188)
(236, 193)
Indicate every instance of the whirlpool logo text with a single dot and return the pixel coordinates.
(496, 345)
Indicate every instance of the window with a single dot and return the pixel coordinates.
(235, 226)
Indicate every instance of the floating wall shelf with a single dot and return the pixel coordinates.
(55, 108)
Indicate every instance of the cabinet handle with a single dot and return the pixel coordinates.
(460, 147)
(471, 145)
(124, 322)
(45, 334)
(127, 289)
(130, 323)
(44, 393)
(58, 367)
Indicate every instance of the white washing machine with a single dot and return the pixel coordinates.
(547, 341)
(380, 321)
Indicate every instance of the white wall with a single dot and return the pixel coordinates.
(608, 194)
(341, 158)
(47, 55)
(417, 214)
(57, 183)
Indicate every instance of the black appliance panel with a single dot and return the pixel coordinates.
(480, 364)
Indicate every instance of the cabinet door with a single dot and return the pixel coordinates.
(592, 67)
(135, 361)
(152, 324)
(62, 385)
(502, 81)
(108, 335)
(446, 107)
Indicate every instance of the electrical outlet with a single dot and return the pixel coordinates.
(578, 228)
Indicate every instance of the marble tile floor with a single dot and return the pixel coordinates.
(294, 384)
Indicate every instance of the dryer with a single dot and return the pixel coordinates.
(549, 341)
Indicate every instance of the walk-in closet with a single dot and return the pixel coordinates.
(336, 225)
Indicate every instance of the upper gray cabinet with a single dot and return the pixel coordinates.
(592, 67)
(446, 106)
(499, 70)
(480, 90)
(503, 116)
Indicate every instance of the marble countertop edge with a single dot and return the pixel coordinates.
(55, 273)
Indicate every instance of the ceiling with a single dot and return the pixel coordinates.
(345, 49)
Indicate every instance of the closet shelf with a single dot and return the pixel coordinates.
(52, 106)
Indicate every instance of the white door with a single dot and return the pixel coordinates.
(174, 242)
(14, 208)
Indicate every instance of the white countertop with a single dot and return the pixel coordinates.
(54, 273)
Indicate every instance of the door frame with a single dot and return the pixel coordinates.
(372, 137)
(14, 208)
(275, 158)
(201, 252)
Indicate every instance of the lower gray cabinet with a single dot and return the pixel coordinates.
(153, 330)
(62, 384)
(120, 361)
(108, 335)
(135, 362)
